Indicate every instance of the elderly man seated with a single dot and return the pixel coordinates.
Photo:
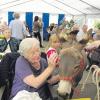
(8, 44)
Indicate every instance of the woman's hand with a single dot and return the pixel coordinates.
(52, 61)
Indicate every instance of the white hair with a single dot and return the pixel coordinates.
(27, 44)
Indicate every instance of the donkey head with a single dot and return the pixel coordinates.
(69, 68)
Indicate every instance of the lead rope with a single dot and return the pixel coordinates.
(95, 78)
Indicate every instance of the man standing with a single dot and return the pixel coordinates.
(18, 28)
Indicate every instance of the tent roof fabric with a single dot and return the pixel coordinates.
(68, 7)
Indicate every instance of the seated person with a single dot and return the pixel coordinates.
(31, 71)
(8, 43)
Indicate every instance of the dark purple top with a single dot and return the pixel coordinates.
(22, 69)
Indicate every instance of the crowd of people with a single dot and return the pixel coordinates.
(18, 30)
(33, 73)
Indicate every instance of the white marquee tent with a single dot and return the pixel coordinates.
(69, 7)
(83, 11)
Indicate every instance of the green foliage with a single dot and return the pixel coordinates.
(97, 25)
(70, 24)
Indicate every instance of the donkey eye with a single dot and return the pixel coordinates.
(76, 67)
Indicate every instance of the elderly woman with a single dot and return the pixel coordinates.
(31, 71)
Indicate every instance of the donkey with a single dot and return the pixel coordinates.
(71, 67)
